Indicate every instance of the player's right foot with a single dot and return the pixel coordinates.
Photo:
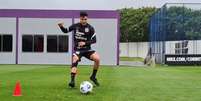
(72, 84)
(95, 81)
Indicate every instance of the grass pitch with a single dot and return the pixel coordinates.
(118, 83)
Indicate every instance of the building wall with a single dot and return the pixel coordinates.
(140, 49)
(193, 46)
(43, 26)
(44, 22)
(8, 26)
(134, 49)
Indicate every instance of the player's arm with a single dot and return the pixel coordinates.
(93, 37)
(65, 30)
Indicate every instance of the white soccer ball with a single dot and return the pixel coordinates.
(86, 87)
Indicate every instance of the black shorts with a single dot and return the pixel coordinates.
(86, 54)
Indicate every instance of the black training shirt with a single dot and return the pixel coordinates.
(81, 33)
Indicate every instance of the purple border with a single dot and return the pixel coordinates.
(55, 13)
(33, 13)
(17, 34)
(98, 14)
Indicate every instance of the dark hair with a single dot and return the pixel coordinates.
(83, 14)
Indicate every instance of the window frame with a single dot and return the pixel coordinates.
(33, 44)
(2, 43)
(58, 43)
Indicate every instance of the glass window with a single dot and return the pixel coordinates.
(63, 43)
(7, 43)
(57, 43)
(27, 43)
(52, 43)
(38, 43)
(32, 43)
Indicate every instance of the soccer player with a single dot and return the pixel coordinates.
(84, 35)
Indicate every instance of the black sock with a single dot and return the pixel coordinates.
(94, 73)
(72, 77)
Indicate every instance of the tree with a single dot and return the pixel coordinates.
(134, 24)
(183, 23)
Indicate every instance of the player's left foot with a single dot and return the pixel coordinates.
(95, 81)
(72, 84)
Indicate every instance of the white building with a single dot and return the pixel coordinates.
(33, 37)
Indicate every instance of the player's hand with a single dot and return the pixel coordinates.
(81, 44)
(61, 24)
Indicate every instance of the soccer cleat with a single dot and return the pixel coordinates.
(95, 81)
(72, 84)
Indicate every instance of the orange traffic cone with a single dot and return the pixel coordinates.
(17, 90)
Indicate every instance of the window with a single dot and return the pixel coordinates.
(27, 43)
(177, 45)
(38, 43)
(177, 48)
(181, 47)
(57, 43)
(6, 43)
(52, 43)
(32, 43)
(63, 43)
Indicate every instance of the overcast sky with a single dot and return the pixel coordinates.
(85, 4)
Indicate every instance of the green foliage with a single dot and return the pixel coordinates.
(134, 24)
(182, 23)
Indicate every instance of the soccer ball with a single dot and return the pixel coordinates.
(86, 87)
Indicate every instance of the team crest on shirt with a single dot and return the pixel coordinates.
(86, 30)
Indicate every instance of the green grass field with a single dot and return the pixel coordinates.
(131, 59)
(49, 83)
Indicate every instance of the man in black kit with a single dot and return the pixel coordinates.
(84, 35)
